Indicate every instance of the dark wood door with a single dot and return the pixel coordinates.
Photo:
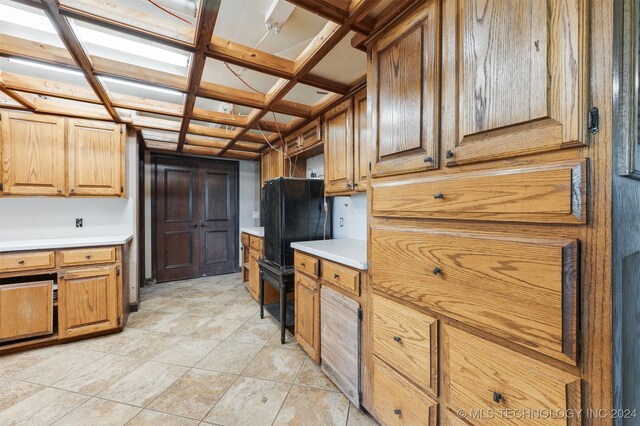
(176, 215)
(219, 218)
(196, 216)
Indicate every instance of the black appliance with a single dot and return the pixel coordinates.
(293, 211)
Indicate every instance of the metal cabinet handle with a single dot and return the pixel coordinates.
(204, 225)
(397, 339)
(437, 270)
(497, 396)
(20, 262)
(397, 412)
(438, 195)
(336, 276)
(302, 264)
(58, 190)
(71, 190)
(88, 256)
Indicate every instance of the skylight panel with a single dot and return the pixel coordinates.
(126, 45)
(33, 20)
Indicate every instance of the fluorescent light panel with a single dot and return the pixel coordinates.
(141, 86)
(45, 66)
(38, 22)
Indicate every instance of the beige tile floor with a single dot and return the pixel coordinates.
(197, 352)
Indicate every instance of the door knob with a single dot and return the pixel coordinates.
(194, 225)
(204, 225)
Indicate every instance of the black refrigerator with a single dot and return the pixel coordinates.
(294, 210)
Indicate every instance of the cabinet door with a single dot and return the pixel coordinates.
(96, 158)
(338, 148)
(33, 154)
(26, 310)
(265, 167)
(515, 77)
(254, 274)
(403, 80)
(276, 163)
(87, 301)
(361, 148)
(307, 324)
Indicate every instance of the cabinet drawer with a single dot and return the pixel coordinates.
(407, 340)
(256, 243)
(87, 256)
(398, 402)
(341, 276)
(306, 264)
(521, 289)
(544, 194)
(244, 238)
(27, 260)
(486, 376)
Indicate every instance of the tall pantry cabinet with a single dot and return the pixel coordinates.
(487, 244)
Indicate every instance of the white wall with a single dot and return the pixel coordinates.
(352, 209)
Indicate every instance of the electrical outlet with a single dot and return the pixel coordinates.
(79, 222)
(256, 215)
(341, 222)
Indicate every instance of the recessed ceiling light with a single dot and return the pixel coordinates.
(141, 86)
(45, 66)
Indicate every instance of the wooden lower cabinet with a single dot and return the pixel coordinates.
(397, 401)
(307, 323)
(88, 300)
(26, 310)
(254, 274)
(255, 251)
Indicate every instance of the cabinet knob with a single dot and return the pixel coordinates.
(20, 262)
(302, 264)
(397, 339)
(88, 256)
(437, 270)
(438, 195)
(428, 159)
(58, 190)
(397, 412)
(497, 396)
(71, 190)
(336, 276)
(450, 154)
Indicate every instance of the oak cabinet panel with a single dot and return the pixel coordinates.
(407, 340)
(311, 134)
(403, 82)
(486, 376)
(550, 193)
(361, 141)
(33, 154)
(515, 78)
(86, 256)
(396, 401)
(87, 301)
(254, 274)
(521, 289)
(307, 264)
(96, 158)
(26, 310)
(307, 315)
(341, 276)
(338, 149)
(27, 260)
(272, 164)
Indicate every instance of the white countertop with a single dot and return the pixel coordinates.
(258, 231)
(55, 243)
(347, 252)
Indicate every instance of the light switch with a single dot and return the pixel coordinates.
(79, 222)
(256, 215)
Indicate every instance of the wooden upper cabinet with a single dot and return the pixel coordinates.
(33, 154)
(515, 78)
(361, 148)
(403, 82)
(338, 149)
(272, 164)
(96, 158)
